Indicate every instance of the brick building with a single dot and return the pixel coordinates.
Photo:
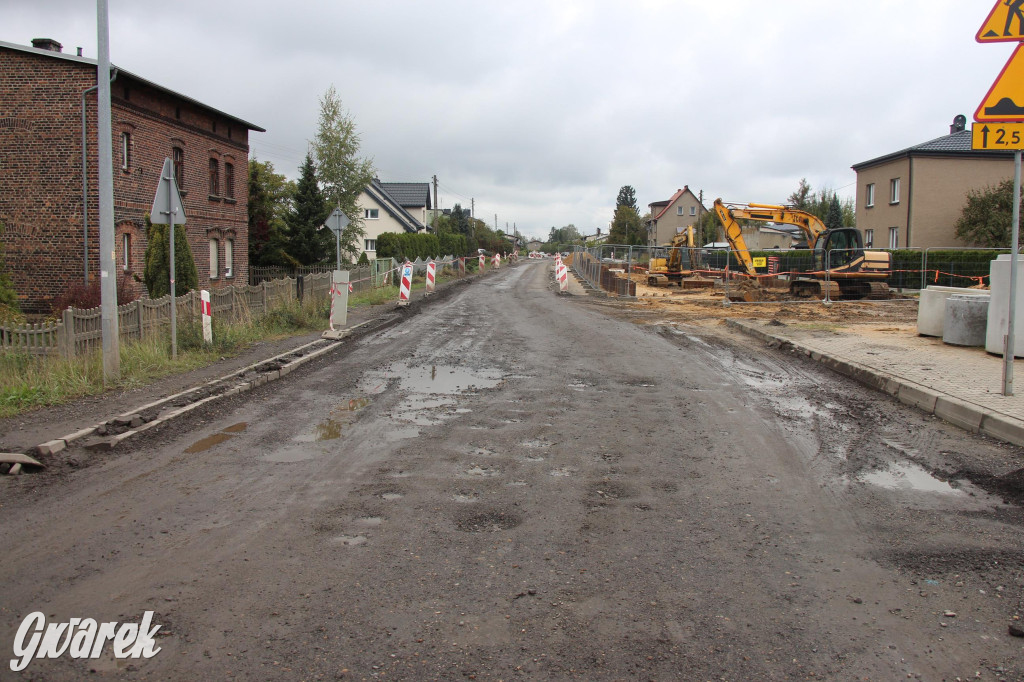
(50, 241)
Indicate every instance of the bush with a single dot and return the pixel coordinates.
(84, 296)
(157, 274)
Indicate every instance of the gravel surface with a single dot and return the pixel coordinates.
(514, 484)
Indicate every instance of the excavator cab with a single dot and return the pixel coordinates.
(845, 245)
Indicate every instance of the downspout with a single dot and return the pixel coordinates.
(85, 183)
(910, 196)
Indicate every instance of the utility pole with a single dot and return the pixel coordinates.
(495, 222)
(436, 207)
(108, 283)
(472, 208)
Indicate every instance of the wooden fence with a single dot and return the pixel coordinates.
(80, 331)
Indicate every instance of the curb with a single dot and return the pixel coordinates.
(958, 412)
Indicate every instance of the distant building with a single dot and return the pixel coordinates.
(673, 215)
(913, 197)
(49, 245)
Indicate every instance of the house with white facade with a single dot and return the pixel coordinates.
(383, 212)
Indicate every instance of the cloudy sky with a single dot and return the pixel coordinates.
(541, 111)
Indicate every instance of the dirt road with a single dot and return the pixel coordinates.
(518, 485)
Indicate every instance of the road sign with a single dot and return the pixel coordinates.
(1005, 23)
(166, 191)
(1004, 102)
(997, 136)
(337, 221)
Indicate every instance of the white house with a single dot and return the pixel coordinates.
(383, 212)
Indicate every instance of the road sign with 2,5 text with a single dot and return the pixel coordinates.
(997, 136)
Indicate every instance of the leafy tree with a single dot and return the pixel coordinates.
(799, 198)
(307, 243)
(270, 196)
(564, 235)
(341, 172)
(627, 197)
(987, 217)
(157, 273)
(9, 308)
(459, 221)
(626, 227)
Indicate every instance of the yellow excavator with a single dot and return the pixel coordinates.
(852, 272)
(679, 261)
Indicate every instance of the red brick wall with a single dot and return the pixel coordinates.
(41, 179)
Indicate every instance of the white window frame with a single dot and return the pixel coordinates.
(126, 150)
(371, 214)
(693, 210)
(126, 246)
(869, 237)
(894, 191)
(370, 245)
(229, 257)
(679, 210)
(894, 237)
(214, 254)
(869, 200)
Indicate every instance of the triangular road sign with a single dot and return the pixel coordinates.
(1005, 99)
(167, 191)
(1005, 23)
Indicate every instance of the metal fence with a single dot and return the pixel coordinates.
(610, 266)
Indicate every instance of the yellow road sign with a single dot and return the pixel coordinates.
(997, 136)
(760, 262)
(1004, 102)
(1005, 23)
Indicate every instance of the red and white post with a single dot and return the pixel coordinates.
(496, 261)
(431, 270)
(206, 310)
(340, 288)
(562, 275)
(405, 288)
(482, 261)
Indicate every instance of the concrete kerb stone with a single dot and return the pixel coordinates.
(959, 413)
(997, 426)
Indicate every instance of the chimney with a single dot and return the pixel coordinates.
(959, 124)
(47, 44)
(79, 52)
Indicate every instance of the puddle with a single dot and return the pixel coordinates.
(288, 456)
(465, 498)
(370, 520)
(907, 476)
(438, 379)
(208, 442)
(564, 471)
(339, 417)
(391, 496)
(349, 540)
(237, 428)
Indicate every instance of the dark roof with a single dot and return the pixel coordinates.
(94, 63)
(409, 194)
(376, 190)
(956, 144)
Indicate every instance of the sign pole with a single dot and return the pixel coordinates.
(1009, 345)
(105, 170)
(174, 300)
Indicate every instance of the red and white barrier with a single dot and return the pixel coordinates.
(496, 261)
(206, 309)
(562, 275)
(431, 269)
(482, 260)
(406, 287)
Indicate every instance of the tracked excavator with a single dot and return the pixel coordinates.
(675, 262)
(852, 272)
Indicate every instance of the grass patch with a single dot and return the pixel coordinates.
(28, 382)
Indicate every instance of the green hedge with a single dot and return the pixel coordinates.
(412, 246)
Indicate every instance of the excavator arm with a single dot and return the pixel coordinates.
(734, 235)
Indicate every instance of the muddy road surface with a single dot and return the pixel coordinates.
(514, 484)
